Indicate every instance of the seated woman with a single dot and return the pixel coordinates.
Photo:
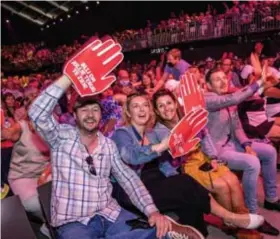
(29, 158)
(220, 181)
(140, 148)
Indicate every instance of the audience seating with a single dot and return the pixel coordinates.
(45, 200)
(14, 221)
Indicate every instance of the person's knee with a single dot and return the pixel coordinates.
(252, 164)
(232, 179)
(221, 186)
(270, 153)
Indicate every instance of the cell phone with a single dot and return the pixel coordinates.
(206, 167)
(138, 223)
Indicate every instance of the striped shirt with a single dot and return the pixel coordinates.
(78, 195)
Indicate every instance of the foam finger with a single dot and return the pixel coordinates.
(107, 45)
(113, 61)
(116, 48)
(187, 83)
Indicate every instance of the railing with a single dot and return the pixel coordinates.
(217, 28)
(193, 31)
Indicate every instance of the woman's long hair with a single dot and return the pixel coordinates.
(159, 94)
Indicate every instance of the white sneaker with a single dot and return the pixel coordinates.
(45, 231)
(255, 221)
(183, 231)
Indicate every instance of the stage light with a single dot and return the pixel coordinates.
(61, 19)
(42, 29)
(7, 21)
(68, 16)
(77, 12)
(48, 26)
(97, 2)
(87, 7)
(53, 23)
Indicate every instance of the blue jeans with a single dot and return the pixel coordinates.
(251, 166)
(99, 227)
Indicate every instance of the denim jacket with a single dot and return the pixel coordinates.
(136, 155)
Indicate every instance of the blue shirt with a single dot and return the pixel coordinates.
(179, 69)
(136, 155)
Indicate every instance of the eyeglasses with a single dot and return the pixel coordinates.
(89, 161)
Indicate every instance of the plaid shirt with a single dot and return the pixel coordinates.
(78, 195)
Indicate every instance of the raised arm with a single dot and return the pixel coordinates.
(161, 82)
(41, 110)
(216, 102)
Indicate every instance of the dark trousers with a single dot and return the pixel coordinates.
(180, 194)
(6, 155)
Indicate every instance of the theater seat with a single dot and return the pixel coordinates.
(45, 191)
(14, 221)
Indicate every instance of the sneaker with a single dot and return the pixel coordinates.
(45, 231)
(180, 231)
(267, 228)
(272, 205)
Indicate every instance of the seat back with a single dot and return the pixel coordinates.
(14, 221)
(45, 192)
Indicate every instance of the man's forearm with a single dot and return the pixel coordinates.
(159, 85)
(41, 110)
(217, 102)
(63, 82)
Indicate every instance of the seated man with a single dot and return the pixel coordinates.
(82, 162)
(233, 145)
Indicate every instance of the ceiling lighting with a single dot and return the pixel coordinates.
(97, 2)
(87, 7)
(53, 23)
(61, 19)
(68, 16)
(77, 12)
(48, 26)
(42, 29)
(7, 21)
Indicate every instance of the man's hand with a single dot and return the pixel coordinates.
(183, 136)
(162, 224)
(191, 92)
(249, 150)
(89, 68)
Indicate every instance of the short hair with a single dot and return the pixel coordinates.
(175, 52)
(209, 74)
(86, 100)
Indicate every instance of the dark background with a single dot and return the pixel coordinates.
(105, 18)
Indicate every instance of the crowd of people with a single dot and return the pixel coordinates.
(136, 116)
(241, 18)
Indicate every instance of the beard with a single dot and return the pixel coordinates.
(88, 130)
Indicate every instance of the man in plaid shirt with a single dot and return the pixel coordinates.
(82, 162)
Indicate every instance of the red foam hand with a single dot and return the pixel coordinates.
(191, 93)
(89, 69)
(183, 136)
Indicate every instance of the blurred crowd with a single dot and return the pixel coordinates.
(241, 18)
(228, 77)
